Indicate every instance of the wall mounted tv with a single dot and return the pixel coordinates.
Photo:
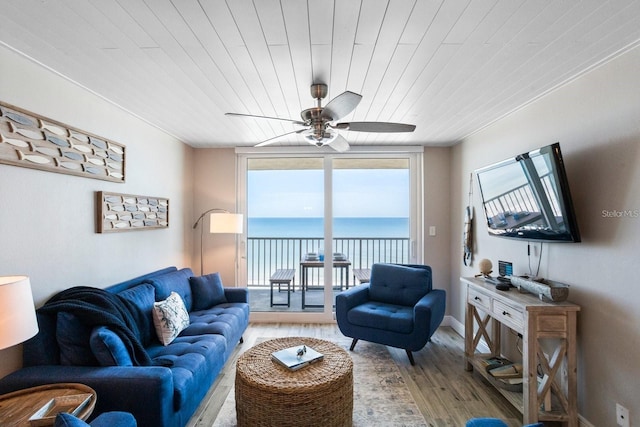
(527, 197)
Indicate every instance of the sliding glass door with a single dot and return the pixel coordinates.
(371, 210)
(285, 231)
(319, 219)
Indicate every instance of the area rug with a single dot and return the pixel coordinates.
(380, 394)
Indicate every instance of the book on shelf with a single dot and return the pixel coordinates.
(512, 381)
(494, 362)
(508, 371)
(294, 358)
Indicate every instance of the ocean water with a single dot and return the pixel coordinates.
(342, 227)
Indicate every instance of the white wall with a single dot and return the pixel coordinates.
(47, 220)
(436, 200)
(215, 187)
(596, 119)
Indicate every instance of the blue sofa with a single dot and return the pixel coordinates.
(167, 389)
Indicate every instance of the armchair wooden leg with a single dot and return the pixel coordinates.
(353, 344)
(410, 358)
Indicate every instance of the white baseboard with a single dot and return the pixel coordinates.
(453, 323)
(459, 328)
(582, 422)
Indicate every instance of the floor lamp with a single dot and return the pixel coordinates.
(220, 221)
(17, 312)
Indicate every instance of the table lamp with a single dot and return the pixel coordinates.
(220, 221)
(17, 312)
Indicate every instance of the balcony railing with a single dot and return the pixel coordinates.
(267, 254)
(522, 199)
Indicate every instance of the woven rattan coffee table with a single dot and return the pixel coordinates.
(268, 394)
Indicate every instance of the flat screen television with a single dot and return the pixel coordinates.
(527, 197)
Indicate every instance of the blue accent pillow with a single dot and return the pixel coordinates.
(177, 281)
(73, 339)
(207, 291)
(108, 348)
(143, 296)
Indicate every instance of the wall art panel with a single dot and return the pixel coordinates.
(37, 142)
(126, 212)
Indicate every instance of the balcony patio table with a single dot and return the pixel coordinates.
(343, 265)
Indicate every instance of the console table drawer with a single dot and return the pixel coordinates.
(508, 315)
(479, 299)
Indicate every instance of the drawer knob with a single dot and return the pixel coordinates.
(505, 313)
(477, 298)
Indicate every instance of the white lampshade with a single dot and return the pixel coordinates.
(17, 313)
(224, 222)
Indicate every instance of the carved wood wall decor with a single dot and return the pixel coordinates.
(33, 141)
(125, 212)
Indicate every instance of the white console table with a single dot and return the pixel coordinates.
(548, 333)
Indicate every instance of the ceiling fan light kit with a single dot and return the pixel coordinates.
(320, 131)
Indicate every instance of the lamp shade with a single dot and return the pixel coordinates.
(225, 222)
(17, 312)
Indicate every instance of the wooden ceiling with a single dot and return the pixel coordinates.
(450, 67)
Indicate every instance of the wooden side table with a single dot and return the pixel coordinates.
(17, 407)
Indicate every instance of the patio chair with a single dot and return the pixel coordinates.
(398, 308)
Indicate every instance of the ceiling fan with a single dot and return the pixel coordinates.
(318, 124)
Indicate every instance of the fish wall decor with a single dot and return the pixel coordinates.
(125, 212)
(36, 142)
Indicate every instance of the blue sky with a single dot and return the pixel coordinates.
(299, 193)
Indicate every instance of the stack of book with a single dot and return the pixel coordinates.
(504, 373)
(294, 358)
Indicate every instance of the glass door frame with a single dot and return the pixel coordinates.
(416, 220)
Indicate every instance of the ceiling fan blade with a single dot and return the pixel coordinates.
(272, 140)
(297, 122)
(340, 144)
(375, 127)
(341, 105)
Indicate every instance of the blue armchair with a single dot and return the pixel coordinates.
(106, 419)
(493, 422)
(398, 308)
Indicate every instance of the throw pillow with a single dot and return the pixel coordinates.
(143, 296)
(207, 291)
(108, 348)
(176, 281)
(170, 317)
(73, 339)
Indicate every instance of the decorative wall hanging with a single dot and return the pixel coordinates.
(123, 212)
(36, 142)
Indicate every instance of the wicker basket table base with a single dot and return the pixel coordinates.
(268, 394)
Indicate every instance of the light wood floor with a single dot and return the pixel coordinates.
(446, 394)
